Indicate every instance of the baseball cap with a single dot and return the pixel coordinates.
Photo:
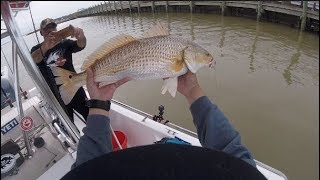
(46, 22)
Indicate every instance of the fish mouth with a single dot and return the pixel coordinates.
(212, 63)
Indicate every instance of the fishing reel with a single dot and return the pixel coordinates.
(159, 118)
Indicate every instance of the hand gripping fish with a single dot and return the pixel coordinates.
(156, 55)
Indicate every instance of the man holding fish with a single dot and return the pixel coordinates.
(155, 55)
(56, 51)
(96, 160)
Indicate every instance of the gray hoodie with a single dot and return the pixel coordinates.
(213, 128)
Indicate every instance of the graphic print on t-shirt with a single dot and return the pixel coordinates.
(56, 58)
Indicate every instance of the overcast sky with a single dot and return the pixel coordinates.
(48, 9)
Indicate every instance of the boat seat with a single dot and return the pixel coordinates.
(10, 147)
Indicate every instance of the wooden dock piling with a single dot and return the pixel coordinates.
(191, 6)
(304, 15)
(115, 7)
(152, 6)
(110, 7)
(223, 7)
(105, 6)
(167, 6)
(259, 10)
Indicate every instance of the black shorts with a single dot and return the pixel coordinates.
(78, 103)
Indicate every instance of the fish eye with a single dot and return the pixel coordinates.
(207, 54)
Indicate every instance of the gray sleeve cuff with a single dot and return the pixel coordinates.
(200, 105)
(97, 122)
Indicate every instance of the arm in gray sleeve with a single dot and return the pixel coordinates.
(96, 140)
(215, 131)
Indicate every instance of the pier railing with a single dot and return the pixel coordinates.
(301, 9)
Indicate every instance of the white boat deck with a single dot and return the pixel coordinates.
(139, 129)
(42, 160)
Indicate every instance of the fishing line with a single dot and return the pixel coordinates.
(34, 27)
(217, 85)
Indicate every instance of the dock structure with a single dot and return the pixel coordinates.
(299, 14)
(259, 10)
(191, 6)
(304, 15)
(223, 7)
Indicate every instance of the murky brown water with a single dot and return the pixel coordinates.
(266, 81)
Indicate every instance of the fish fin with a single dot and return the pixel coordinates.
(68, 86)
(192, 65)
(106, 48)
(171, 85)
(157, 30)
(178, 62)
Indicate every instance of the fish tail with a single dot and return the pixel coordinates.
(69, 83)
